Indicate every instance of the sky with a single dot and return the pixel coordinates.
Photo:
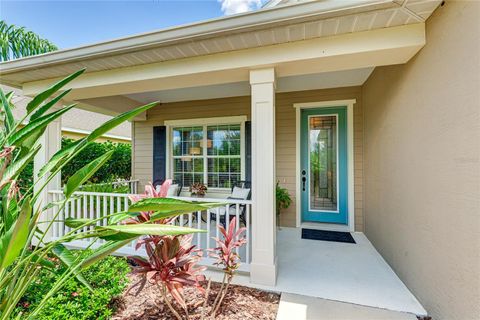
(68, 23)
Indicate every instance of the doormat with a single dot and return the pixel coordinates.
(335, 236)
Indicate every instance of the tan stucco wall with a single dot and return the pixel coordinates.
(422, 164)
(285, 133)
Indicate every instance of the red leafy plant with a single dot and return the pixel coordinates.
(226, 255)
(171, 264)
(171, 260)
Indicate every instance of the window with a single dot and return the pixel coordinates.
(210, 154)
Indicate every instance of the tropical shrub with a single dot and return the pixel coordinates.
(108, 278)
(119, 166)
(171, 261)
(22, 215)
(227, 257)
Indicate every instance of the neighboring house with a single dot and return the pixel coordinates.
(77, 123)
(368, 112)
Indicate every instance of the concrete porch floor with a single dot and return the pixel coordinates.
(344, 272)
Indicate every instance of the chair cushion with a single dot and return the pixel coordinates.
(172, 190)
(240, 193)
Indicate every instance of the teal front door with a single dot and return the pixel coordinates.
(324, 165)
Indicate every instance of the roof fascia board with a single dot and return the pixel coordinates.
(210, 28)
(233, 66)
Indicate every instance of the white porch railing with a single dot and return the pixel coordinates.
(93, 205)
(131, 184)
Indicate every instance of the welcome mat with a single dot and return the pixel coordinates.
(335, 236)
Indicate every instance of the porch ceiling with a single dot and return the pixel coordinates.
(335, 79)
(265, 27)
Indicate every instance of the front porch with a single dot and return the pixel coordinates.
(349, 273)
(344, 272)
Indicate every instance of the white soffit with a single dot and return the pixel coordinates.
(326, 80)
(265, 27)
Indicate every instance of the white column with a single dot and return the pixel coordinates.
(263, 267)
(51, 142)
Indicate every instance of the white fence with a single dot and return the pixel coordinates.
(93, 205)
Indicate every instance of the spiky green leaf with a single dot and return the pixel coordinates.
(130, 231)
(112, 123)
(82, 175)
(170, 205)
(41, 97)
(14, 240)
(67, 258)
(36, 126)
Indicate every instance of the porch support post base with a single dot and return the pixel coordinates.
(263, 263)
(264, 274)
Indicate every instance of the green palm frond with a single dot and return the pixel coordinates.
(17, 42)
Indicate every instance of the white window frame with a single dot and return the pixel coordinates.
(204, 122)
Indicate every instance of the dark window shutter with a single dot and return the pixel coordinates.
(159, 154)
(248, 151)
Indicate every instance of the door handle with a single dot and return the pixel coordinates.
(304, 179)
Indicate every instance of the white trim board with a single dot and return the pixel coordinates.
(351, 197)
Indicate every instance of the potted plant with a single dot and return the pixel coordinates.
(283, 200)
(198, 189)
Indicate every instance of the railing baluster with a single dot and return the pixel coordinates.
(208, 229)
(199, 226)
(237, 219)
(97, 209)
(119, 203)
(217, 222)
(227, 216)
(190, 220)
(247, 218)
(84, 212)
(62, 217)
(66, 215)
(91, 212)
(105, 210)
(112, 209)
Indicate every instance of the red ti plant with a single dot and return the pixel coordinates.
(150, 192)
(171, 265)
(226, 256)
(171, 260)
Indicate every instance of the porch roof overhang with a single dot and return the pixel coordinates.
(299, 39)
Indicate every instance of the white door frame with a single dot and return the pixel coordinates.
(351, 200)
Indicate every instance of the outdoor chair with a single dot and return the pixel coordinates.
(240, 191)
(174, 190)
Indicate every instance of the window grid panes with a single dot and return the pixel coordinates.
(209, 154)
(188, 163)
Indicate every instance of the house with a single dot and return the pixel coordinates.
(77, 123)
(368, 112)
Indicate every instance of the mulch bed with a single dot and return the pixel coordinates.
(240, 303)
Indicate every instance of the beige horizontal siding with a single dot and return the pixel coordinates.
(285, 136)
(143, 142)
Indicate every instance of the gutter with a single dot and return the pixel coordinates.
(263, 18)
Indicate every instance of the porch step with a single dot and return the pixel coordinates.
(298, 307)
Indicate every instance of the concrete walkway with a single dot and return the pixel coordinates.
(299, 307)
